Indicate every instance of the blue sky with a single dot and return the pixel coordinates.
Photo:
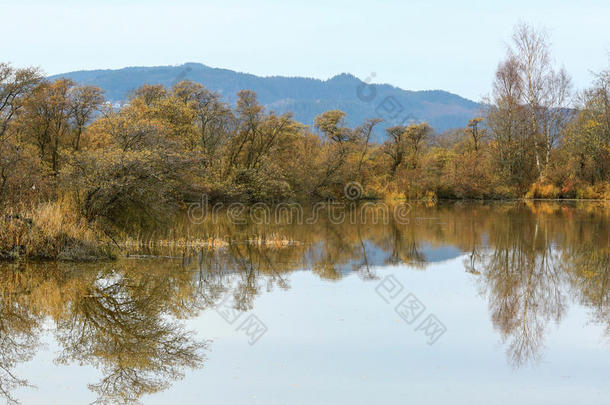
(415, 45)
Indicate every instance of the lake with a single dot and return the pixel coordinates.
(458, 303)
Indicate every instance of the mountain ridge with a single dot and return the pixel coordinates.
(302, 96)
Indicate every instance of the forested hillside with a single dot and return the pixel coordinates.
(305, 98)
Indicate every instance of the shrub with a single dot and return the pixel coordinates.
(543, 190)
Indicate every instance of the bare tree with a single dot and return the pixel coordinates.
(546, 91)
(475, 132)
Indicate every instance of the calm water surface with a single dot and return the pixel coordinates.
(463, 303)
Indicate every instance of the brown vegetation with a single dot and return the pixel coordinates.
(51, 231)
(133, 164)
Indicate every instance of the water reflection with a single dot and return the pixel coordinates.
(530, 262)
(121, 319)
(18, 325)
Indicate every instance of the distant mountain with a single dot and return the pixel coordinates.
(304, 97)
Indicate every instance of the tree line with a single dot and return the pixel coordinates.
(535, 138)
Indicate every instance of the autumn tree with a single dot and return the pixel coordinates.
(266, 156)
(530, 104)
(137, 160)
(46, 119)
(149, 94)
(338, 139)
(255, 147)
(415, 135)
(84, 103)
(362, 135)
(15, 86)
(511, 145)
(588, 141)
(475, 133)
(214, 118)
(332, 126)
(395, 146)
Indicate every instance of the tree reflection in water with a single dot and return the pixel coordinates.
(118, 323)
(125, 318)
(18, 323)
(523, 281)
(119, 318)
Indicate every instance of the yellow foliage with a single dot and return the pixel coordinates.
(542, 190)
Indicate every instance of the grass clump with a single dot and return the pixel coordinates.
(51, 231)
